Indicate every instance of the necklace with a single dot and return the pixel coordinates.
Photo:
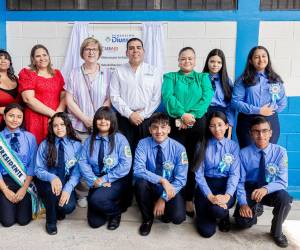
(93, 72)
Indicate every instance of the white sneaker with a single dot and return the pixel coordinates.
(82, 202)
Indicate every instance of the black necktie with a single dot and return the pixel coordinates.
(61, 161)
(14, 142)
(213, 82)
(101, 155)
(159, 161)
(262, 167)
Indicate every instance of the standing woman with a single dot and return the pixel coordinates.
(105, 162)
(8, 83)
(87, 88)
(187, 95)
(215, 65)
(259, 91)
(57, 170)
(217, 176)
(19, 147)
(41, 87)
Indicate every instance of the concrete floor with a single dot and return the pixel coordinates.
(74, 233)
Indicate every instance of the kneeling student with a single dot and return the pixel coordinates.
(264, 178)
(217, 177)
(160, 169)
(18, 195)
(105, 164)
(57, 170)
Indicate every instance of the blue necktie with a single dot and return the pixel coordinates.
(213, 82)
(14, 142)
(61, 162)
(159, 161)
(262, 168)
(101, 155)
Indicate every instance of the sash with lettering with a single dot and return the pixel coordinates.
(15, 168)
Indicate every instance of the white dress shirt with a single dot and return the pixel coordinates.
(133, 91)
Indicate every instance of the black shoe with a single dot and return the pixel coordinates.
(60, 216)
(190, 213)
(165, 219)
(114, 222)
(258, 209)
(224, 225)
(281, 240)
(51, 229)
(145, 228)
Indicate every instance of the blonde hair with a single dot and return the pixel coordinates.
(86, 42)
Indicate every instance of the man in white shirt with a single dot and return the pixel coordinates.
(135, 92)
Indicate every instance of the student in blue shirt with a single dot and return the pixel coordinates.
(264, 178)
(57, 170)
(259, 91)
(160, 168)
(15, 201)
(105, 163)
(215, 65)
(217, 175)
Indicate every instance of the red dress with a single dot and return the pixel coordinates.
(47, 91)
(7, 97)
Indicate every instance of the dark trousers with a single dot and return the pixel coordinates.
(50, 200)
(280, 200)
(147, 194)
(133, 134)
(189, 138)
(208, 213)
(243, 129)
(10, 213)
(104, 202)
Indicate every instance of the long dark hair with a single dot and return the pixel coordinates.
(7, 109)
(223, 72)
(108, 114)
(32, 54)
(10, 71)
(249, 74)
(202, 145)
(51, 149)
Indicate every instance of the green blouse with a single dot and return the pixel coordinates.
(190, 93)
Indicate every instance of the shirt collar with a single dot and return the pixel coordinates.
(190, 75)
(64, 140)
(216, 77)
(262, 73)
(214, 141)
(7, 133)
(104, 137)
(163, 144)
(265, 150)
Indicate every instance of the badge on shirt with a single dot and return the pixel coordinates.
(226, 161)
(274, 91)
(184, 158)
(285, 161)
(127, 151)
(168, 167)
(70, 163)
(272, 172)
(108, 161)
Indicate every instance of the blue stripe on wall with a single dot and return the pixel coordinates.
(3, 24)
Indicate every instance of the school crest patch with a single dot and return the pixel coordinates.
(127, 151)
(184, 159)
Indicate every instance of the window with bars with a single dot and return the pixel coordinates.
(280, 4)
(121, 4)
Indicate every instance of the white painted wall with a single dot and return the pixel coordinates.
(202, 36)
(283, 42)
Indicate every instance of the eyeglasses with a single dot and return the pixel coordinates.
(91, 50)
(257, 132)
(216, 126)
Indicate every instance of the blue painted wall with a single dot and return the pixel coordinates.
(247, 17)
